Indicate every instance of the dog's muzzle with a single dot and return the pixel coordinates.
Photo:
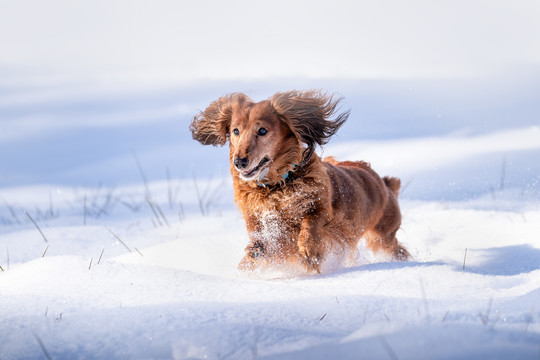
(242, 163)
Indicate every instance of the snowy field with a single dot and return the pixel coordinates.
(119, 237)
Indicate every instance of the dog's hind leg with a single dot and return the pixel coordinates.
(386, 243)
(383, 235)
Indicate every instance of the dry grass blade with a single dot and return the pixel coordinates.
(503, 174)
(181, 214)
(47, 248)
(43, 348)
(391, 353)
(424, 299)
(464, 258)
(199, 198)
(132, 206)
(169, 188)
(120, 240)
(85, 211)
(162, 215)
(108, 203)
(209, 198)
(36, 225)
(151, 205)
(485, 317)
(154, 206)
(100, 256)
(445, 316)
(529, 319)
(143, 175)
(12, 212)
(158, 213)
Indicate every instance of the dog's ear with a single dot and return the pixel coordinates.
(309, 115)
(211, 126)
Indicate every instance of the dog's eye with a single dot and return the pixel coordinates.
(262, 131)
(236, 132)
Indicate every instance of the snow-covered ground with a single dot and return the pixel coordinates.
(119, 237)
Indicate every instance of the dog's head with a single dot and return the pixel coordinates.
(268, 138)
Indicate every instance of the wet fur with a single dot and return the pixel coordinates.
(322, 205)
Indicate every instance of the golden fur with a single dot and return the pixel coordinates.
(297, 206)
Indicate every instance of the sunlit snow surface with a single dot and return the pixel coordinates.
(124, 269)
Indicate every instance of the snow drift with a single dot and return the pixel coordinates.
(119, 239)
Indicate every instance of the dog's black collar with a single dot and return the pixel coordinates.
(288, 176)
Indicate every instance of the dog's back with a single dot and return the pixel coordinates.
(358, 193)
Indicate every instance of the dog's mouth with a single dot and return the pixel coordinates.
(258, 172)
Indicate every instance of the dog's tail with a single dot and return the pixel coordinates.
(393, 184)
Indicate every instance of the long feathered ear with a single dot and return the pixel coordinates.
(211, 126)
(308, 114)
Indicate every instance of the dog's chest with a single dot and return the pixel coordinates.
(291, 203)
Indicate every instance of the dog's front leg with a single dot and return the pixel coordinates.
(255, 250)
(310, 245)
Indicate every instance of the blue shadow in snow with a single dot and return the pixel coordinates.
(505, 261)
(381, 266)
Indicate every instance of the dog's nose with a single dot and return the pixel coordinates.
(241, 163)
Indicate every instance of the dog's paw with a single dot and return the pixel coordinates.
(256, 250)
(311, 260)
(400, 254)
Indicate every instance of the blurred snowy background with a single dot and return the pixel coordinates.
(88, 84)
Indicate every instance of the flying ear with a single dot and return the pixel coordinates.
(211, 126)
(308, 114)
